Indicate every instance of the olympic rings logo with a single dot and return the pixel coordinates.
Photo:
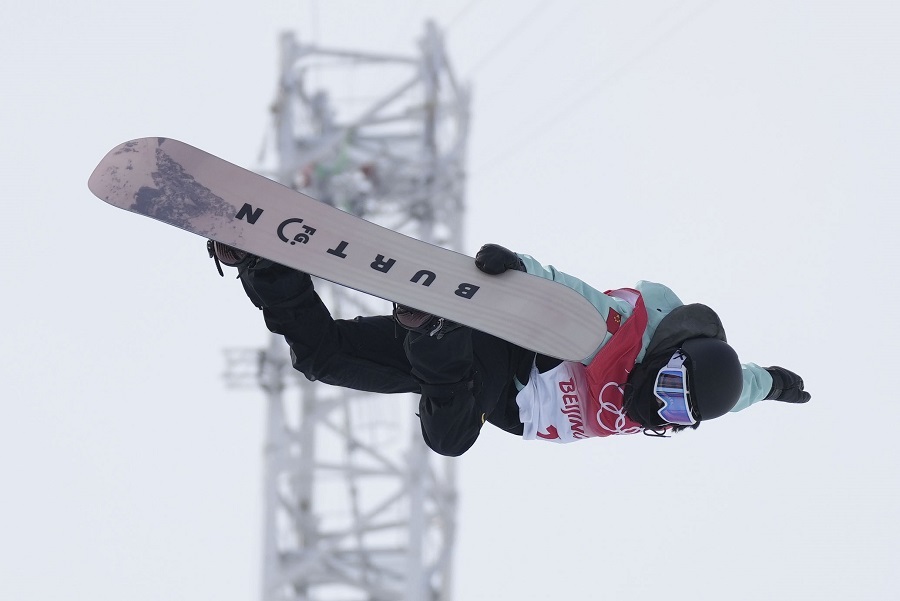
(614, 410)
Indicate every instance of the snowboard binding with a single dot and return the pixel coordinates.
(230, 256)
(422, 322)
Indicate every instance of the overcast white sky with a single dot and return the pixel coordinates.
(744, 153)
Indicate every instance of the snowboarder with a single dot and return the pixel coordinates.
(663, 366)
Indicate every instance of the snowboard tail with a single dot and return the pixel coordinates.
(191, 189)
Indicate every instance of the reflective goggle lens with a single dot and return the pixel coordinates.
(671, 389)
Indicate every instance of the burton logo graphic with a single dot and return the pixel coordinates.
(290, 235)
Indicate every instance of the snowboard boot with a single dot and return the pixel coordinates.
(229, 256)
(422, 322)
(786, 386)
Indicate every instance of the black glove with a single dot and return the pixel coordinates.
(494, 259)
(786, 386)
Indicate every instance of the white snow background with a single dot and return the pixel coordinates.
(744, 153)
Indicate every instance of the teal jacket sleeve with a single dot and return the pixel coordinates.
(757, 384)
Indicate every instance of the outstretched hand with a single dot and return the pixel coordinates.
(494, 259)
(786, 386)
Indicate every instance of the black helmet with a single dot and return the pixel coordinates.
(715, 376)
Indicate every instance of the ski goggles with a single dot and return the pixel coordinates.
(672, 391)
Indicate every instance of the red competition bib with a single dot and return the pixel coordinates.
(573, 401)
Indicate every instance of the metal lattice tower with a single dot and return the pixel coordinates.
(356, 507)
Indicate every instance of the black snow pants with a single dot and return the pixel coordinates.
(465, 378)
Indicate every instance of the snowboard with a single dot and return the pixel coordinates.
(188, 188)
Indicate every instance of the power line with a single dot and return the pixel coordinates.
(568, 109)
(542, 44)
(519, 28)
(455, 19)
